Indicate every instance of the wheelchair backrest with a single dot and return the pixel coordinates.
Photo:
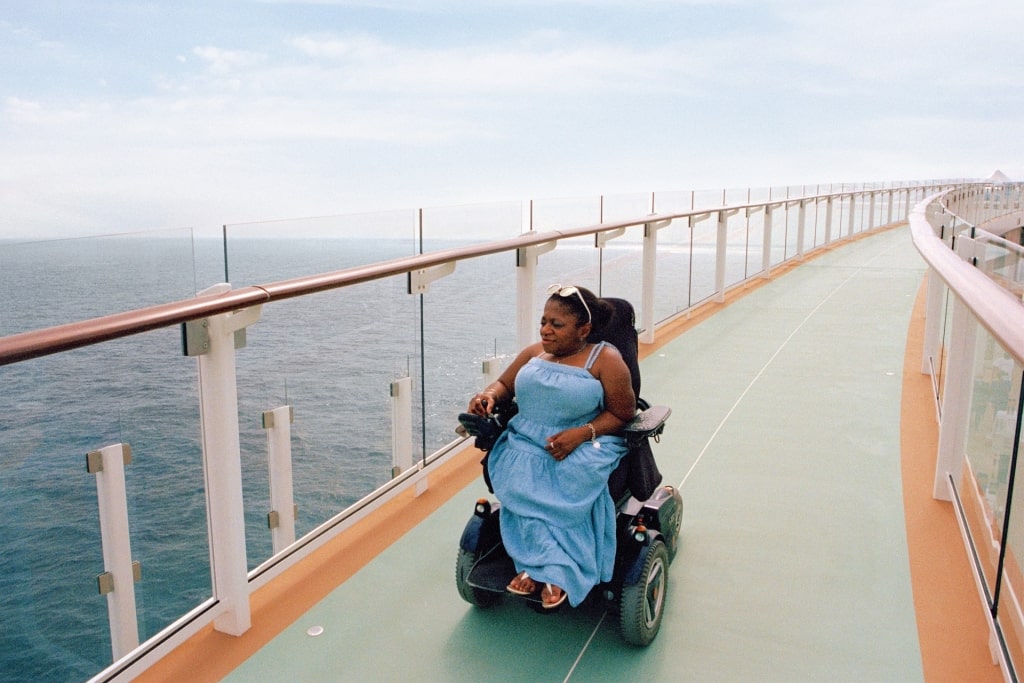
(620, 332)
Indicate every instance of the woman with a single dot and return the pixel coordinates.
(550, 467)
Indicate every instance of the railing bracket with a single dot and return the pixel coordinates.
(419, 280)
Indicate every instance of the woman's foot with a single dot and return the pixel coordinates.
(522, 584)
(552, 596)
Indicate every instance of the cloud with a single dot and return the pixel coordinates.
(222, 61)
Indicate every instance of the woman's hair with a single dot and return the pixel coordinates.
(600, 310)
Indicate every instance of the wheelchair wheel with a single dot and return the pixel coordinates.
(474, 596)
(642, 605)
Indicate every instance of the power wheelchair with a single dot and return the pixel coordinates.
(648, 514)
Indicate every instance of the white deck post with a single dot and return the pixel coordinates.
(648, 279)
(721, 239)
(281, 519)
(118, 579)
(932, 341)
(853, 214)
(828, 221)
(401, 425)
(526, 283)
(766, 242)
(801, 227)
(218, 408)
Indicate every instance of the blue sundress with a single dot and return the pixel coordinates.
(557, 518)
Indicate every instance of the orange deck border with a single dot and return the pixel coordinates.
(951, 622)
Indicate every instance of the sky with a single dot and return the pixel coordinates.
(132, 115)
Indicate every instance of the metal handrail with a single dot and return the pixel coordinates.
(996, 309)
(52, 340)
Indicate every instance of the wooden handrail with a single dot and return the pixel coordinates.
(996, 309)
(51, 340)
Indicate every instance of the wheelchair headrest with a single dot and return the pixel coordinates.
(620, 332)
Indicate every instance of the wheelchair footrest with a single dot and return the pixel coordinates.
(492, 572)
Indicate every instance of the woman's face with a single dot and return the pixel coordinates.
(560, 331)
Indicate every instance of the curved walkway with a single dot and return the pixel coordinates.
(794, 563)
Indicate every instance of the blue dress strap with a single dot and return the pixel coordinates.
(594, 353)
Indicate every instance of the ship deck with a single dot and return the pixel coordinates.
(802, 440)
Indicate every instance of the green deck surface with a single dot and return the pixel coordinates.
(793, 563)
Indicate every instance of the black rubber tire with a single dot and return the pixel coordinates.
(642, 605)
(474, 596)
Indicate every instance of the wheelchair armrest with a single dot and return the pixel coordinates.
(646, 423)
(485, 429)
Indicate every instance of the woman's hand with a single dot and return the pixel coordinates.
(482, 404)
(563, 443)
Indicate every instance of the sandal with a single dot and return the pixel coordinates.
(518, 580)
(549, 589)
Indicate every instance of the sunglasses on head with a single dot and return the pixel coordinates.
(567, 292)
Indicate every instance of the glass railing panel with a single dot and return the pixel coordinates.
(736, 248)
(989, 448)
(754, 261)
(54, 282)
(759, 194)
(672, 272)
(622, 271)
(780, 234)
(1002, 261)
(624, 207)
(469, 318)
(792, 230)
(575, 261)
(260, 253)
(703, 264)
(566, 212)
(708, 199)
(141, 391)
(815, 228)
(841, 217)
(332, 357)
(737, 196)
(673, 202)
(1012, 577)
(454, 226)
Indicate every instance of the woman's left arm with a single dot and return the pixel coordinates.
(619, 400)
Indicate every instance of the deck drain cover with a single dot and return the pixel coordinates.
(314, 631)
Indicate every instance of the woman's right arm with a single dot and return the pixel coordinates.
(503, 388)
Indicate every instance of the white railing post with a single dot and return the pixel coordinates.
(401, 425)
(213, 341)
(120, 573)
(828, 221)
(871, 211)
(853, 214)
(801, 227)
(281, 518)
(956, 399)
(648, 279)
(526, 283)
(721, 239)
(766, 242)
(932, 324)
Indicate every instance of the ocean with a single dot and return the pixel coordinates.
(332, 356)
